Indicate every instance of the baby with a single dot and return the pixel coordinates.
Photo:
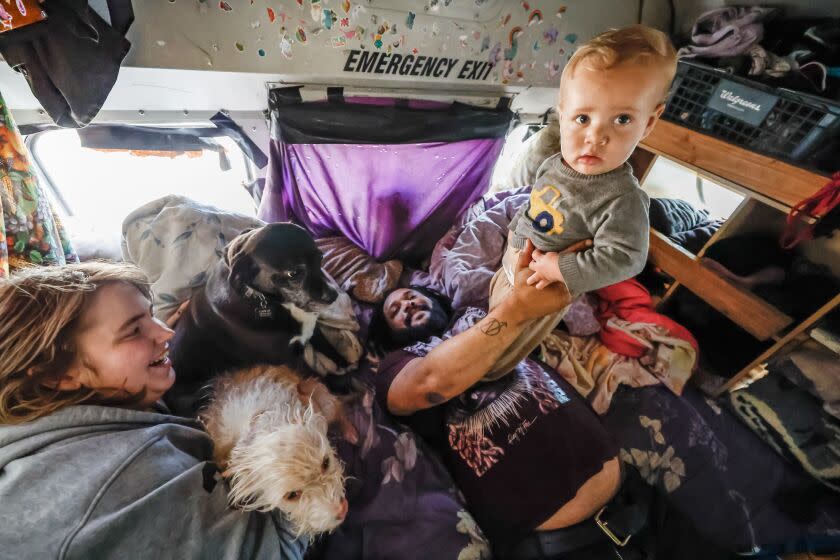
(612, 93)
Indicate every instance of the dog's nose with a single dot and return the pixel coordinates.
(342, 509)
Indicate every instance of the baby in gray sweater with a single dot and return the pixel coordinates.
(612, 93)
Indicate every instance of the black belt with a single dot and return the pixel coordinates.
(582, 541)
(599, 538)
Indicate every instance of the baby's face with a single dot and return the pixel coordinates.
(605, 113)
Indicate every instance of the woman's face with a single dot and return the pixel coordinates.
(405, 308)
(122, 349)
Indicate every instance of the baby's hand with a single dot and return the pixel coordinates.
(546, 269)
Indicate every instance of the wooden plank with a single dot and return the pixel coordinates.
(750, 312)
(764, 175)
(792, 336)
(642, 162)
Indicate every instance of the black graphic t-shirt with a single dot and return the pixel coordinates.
(519, 448)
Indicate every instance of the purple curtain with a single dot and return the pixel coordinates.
(390, 175)
(393, 200)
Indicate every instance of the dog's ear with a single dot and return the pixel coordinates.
(243, 269)
(237, 245)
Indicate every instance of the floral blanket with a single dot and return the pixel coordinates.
(30, 231)
(403, 502)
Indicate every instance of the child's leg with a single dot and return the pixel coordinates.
(502, 284)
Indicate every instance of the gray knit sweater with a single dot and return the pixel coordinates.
(566, 207)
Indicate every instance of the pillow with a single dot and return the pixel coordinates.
(356, 272)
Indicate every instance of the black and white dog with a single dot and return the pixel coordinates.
(259, 305)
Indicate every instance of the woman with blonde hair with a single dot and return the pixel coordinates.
(91, 465)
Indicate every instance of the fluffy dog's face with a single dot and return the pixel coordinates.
(281, 260)
(288, 464)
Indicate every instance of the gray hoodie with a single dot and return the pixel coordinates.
(105, 482)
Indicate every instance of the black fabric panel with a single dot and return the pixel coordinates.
(128, 137)
(233, 131)
(295, 122)
(144, 138)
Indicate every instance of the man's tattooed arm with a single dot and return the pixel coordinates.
(493, 327)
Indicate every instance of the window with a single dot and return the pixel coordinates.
(667, 179)
(97, 189)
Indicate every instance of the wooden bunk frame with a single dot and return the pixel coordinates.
(762, 180)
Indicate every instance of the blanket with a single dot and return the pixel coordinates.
(176, 240)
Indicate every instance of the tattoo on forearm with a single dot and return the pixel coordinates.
(493, 327)
(434, 398)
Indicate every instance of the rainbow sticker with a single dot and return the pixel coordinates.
(514, 33)
(535, 18)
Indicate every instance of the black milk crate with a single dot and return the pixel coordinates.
(781, 123)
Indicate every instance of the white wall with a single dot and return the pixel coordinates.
(221, 50)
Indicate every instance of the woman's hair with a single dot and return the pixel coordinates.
(381, 333)
(39, 319)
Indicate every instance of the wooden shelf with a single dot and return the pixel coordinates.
(750, 312)
(769, 178)
(785, 344)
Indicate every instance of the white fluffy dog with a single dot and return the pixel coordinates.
(269, 429)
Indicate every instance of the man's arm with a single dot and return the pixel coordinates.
(458, 363)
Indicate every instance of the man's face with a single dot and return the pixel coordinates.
(604, 114)
(406, 308)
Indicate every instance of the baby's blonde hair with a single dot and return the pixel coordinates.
(39, 318)
(636, 44)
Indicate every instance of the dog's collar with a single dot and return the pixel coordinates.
(263, 310)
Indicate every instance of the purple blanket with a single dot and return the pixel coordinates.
(465, 259)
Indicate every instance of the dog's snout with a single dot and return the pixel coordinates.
(343, 506)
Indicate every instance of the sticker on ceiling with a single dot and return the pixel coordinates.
(271, 15)
(560, 11)
(526, 6)
(286, 46)
(338, 42)
(344, 22)
(329, 19)
(553, 68)
(239, 46)
(224, 6)
(571, 37)
(255, 24)
(485, 43)
(300, 35)
(504, 20)
(345, 5)
(550, 35)
(510, 52)
(409, 20)
(535, 18)
(261, 52)
(495, 54)
(315, 10)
